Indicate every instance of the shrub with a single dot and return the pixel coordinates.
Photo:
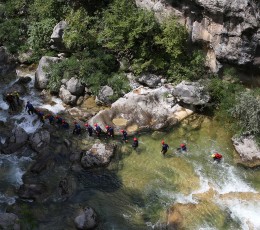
(247, 111)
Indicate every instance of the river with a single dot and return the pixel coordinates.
(138, 187)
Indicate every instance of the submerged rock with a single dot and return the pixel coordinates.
(32, 191)
(87, 219)
(40, 140)
(248, 150)
(9, 221)
(99, 155)
(17, 140)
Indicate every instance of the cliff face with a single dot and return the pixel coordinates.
(229, 30)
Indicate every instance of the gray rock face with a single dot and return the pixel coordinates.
(40, 140)
(191, 93)
(104, 95)
(230, 29)
(66, 96)
(41, 76)
(247, 149)
(87, 219)
(9, 221)
(17, 140)
(99, 155)
(149, 80)
(75, 87)
(57, 36)
(7, 64)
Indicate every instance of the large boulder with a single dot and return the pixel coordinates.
(75, 87)
(191, 93)
(7, 64)
(87, 219)
(143, 109)
(57, 36)
(17, 140)
(32, 191)
(99, 155)
(40, 140)
(104, 96)
(41, 74)
(149, 80)
(66, 96)
(248, 150)
(9, 221)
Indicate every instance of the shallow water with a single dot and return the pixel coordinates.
(138, 187)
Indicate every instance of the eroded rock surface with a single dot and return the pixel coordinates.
(87, 219)
(40, 140)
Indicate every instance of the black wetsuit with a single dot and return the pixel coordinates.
(164, 149)
(135, 144)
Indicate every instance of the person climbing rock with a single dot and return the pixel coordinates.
(77, 128)
(110, 131)
(40, 115)
(216, 157)
(98, 130)
(65, 125)
(58, 120)
(135, 143)
(89, 129)
(11, 101)
(124, 133)
(50, 118)
(17, 98)
(30, 109)
(183, 148)
(165, 148)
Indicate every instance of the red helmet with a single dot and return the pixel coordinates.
(107, 126)
(121, 130)
(75, 122)
(86, 124)
(57, 117)
(163, 142)
(135, 139)
(95, 124)
(182, 145)
(63, 121)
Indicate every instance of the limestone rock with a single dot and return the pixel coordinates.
(248, 150)
(7, 63)
(31, 191)
(104, 95)
(41, 76)
(9, 221)
(57, 36)
(191, 93)
(149, 80)
(87, 219)
(40, 140)
(75, 87)
(143, 109)
(67, 97)
(99, 155)
(17, 140)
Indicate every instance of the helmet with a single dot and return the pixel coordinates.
(163, 142)
(107, 126)
(63, 121)
(182, 145)
(86, 124)
(95, 124)
(57, 117)
(135, 139)
(121, 130)
(75, 122)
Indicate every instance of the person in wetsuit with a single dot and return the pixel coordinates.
(89, 129)
(165, 148)
(29, 107)
(135, 143)
(124, 133)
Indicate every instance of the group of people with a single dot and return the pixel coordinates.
(109, 133)
(13, 100)
(183, 148)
